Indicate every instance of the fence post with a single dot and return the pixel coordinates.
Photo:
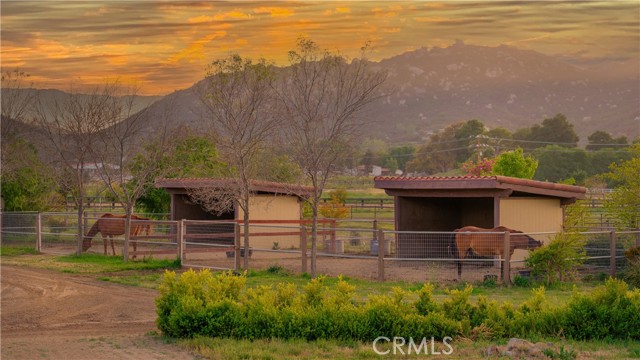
(39, 232)
(381, 249)
(612, 249)
(236, 246)
(180, 239)
(506, 260)
(303, 247)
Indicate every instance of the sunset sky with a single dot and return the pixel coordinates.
(166, 45)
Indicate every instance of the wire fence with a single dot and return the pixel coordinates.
(360, 252)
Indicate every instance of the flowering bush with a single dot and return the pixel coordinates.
(483, 167)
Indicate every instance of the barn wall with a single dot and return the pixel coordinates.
(531, 215)
(273, 207)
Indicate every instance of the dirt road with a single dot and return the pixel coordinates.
(50, 315)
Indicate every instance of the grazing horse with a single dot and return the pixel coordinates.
(472, 239)
(109, 225)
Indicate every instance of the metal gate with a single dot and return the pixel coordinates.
(210, 244)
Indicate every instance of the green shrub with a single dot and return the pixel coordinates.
(220, 305)
(558, 259)
(610, 312)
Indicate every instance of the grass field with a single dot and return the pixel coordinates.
(148, 273)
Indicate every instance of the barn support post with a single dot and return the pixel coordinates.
(506, 259)
(381, 251)
(303, 248)
(180, 239)
(39, 232)
(612, 250)
(236, 246)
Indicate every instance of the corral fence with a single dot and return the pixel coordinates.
(361, 251)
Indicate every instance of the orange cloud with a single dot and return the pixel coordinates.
(195, 50)
(232, 15)
(274, 11)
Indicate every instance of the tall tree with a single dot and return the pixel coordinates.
(126, 135)
(322, 96)
(556, 130)
(71, 127)
(602, 140)
(18, 98)
(439, 154)
(515, 164)
(624, 203)
(240, 110)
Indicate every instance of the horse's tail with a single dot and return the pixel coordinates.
(453, 247)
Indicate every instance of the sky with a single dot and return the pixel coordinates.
(162, 46)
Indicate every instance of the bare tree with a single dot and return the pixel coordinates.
(70, 127)
(128, 153)
(239, 109)
(18, 96)
(322, 96)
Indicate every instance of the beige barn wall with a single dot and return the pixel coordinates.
(273, 207)
(531, 215)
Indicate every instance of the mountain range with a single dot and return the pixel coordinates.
(430, 88)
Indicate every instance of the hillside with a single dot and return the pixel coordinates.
(429, 89)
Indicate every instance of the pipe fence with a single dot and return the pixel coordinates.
(358, 252)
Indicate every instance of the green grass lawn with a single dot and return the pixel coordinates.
(148, 273)
(232, 349)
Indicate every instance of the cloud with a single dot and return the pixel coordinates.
(275, 11)
(195, 50)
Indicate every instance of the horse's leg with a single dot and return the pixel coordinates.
(113, 248)
(104, 241)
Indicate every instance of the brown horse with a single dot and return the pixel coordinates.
(467, 240)
(109, 225)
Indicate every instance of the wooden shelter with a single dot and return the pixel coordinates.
(271, 203)
(270, 200)
(448, 203)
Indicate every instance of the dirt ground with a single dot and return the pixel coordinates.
(51, 315)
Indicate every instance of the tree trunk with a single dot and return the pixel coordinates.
(127, 232)
(80, 227)
(314, 236)
(246, 239)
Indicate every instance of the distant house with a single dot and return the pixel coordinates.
(443, 204)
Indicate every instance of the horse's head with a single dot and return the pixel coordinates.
(533, 243)
(86, 244)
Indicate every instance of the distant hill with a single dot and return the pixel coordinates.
(501, 86)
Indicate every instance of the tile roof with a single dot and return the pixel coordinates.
(256, 185)
(479, 182)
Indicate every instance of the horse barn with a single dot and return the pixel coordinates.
(444, 204)
(271, 203)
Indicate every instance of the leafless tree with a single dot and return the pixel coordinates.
(321, 96)
(130, 152)
(103, 128)
(18, 98)
(239, 110)
(70, 126)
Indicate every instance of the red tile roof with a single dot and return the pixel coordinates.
(256, 185)
(454, 183)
